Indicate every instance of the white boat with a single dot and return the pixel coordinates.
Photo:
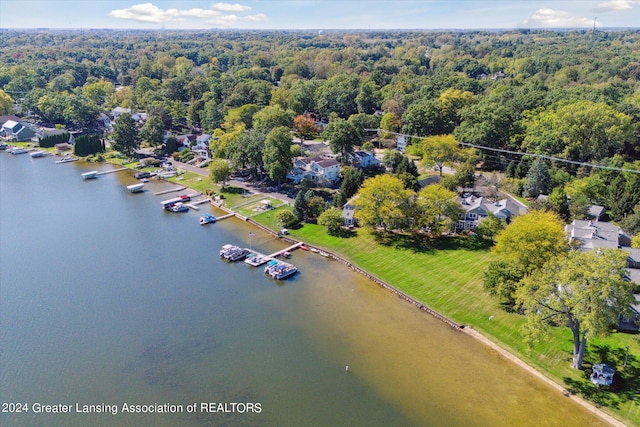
(207, 219)
(17, 150)
(179, 207)
(38, 153)
(67, 159)
(90, 175)
(280, 270)
(256, 259)
(226, 249)
(135, 188)
(4, 146)
(237, 255)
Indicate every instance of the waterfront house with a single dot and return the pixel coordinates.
(317, 169)
(17, 131)
(477, 208)
(587, 235)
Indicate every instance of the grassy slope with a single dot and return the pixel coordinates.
(447, 276)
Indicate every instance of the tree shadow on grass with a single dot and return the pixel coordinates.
(626, 381)
(421, 242)
(344, 233)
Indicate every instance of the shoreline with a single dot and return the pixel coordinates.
(470, 331)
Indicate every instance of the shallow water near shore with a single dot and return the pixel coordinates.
(107, 299)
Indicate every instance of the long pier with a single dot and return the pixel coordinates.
(290, 248)
(169, 191)
(111, 171)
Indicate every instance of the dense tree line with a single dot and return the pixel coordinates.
(547, 92)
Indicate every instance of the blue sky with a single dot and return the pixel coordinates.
(325, 14)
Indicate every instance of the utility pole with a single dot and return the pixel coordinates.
(593, 32)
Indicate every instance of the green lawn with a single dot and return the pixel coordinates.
(446, 275)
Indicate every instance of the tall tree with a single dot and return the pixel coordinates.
(125, 134)
(538, 179)
(532, 239)
(219, 171)
(383, 201)
(439, 150)
(6, 103)
(153, 131)
(587, 291)
(342, 136)
(437, 208)
(277, 155)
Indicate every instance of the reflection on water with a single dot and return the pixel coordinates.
(108, 300)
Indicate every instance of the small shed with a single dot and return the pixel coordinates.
(602, 374)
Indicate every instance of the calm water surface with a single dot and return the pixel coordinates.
(106, 299)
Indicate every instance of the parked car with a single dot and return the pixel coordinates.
(142, 175)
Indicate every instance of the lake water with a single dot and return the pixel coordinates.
(105, 299)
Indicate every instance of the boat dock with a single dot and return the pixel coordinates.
(289, 249)
(111, 171)
(159, 193)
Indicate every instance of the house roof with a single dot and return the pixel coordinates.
(326, 163)
(4, 119)
(11, 125)
(596, 211)
(594, 234)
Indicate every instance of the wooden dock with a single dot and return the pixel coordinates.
(289, 249)
(111, 171)
(220, 218)
(169, 191)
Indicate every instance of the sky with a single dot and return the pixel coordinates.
(316, 15)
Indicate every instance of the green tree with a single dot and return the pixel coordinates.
(502, 279)
(422, 119)
(437, 208)
(391, 159)
(300, 205)
(153, 131)
(490, 226)
(369, 97)
(383, 201)
(219, 171)
(582, 131)
(351, 181)
(332, 219)
(532, 239)
(6, 103)
(277, 155)
(125, 135)
(342, 136)
(538, 179)
(389, 122)
(272, 116)
(587, 291)
(439, 150)
(287, 219)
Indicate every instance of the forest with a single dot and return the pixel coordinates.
(570, 95)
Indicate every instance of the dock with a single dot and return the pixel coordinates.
(225, 216)
(159, 193)
(289, 249)
(111, 171)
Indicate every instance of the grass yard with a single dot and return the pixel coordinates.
(447, 274)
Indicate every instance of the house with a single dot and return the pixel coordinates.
(201, 146)
(596, 212)
(137, 117)
(317, 169)
(348, 212)
(5, 119)
(589, 235)
(184, 141)
(363, 160)
(477, 208)
(17, 131)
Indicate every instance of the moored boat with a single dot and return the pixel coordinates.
(90, 175)
(207, 218)
(38, 153)
(17, 150)
(236, 254)
(256, 259)
(179, 207)
(67, 159)
(280, 270)
(135, 188)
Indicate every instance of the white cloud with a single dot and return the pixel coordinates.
(227, 7)
(615, 5)
(256, 18)
(551, 18)
(216, 15)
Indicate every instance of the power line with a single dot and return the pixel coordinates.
(520, 153)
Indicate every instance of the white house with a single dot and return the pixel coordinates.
(18, 131)
(319, 170)
(201, 146)
(477, 208)
(363, 159)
